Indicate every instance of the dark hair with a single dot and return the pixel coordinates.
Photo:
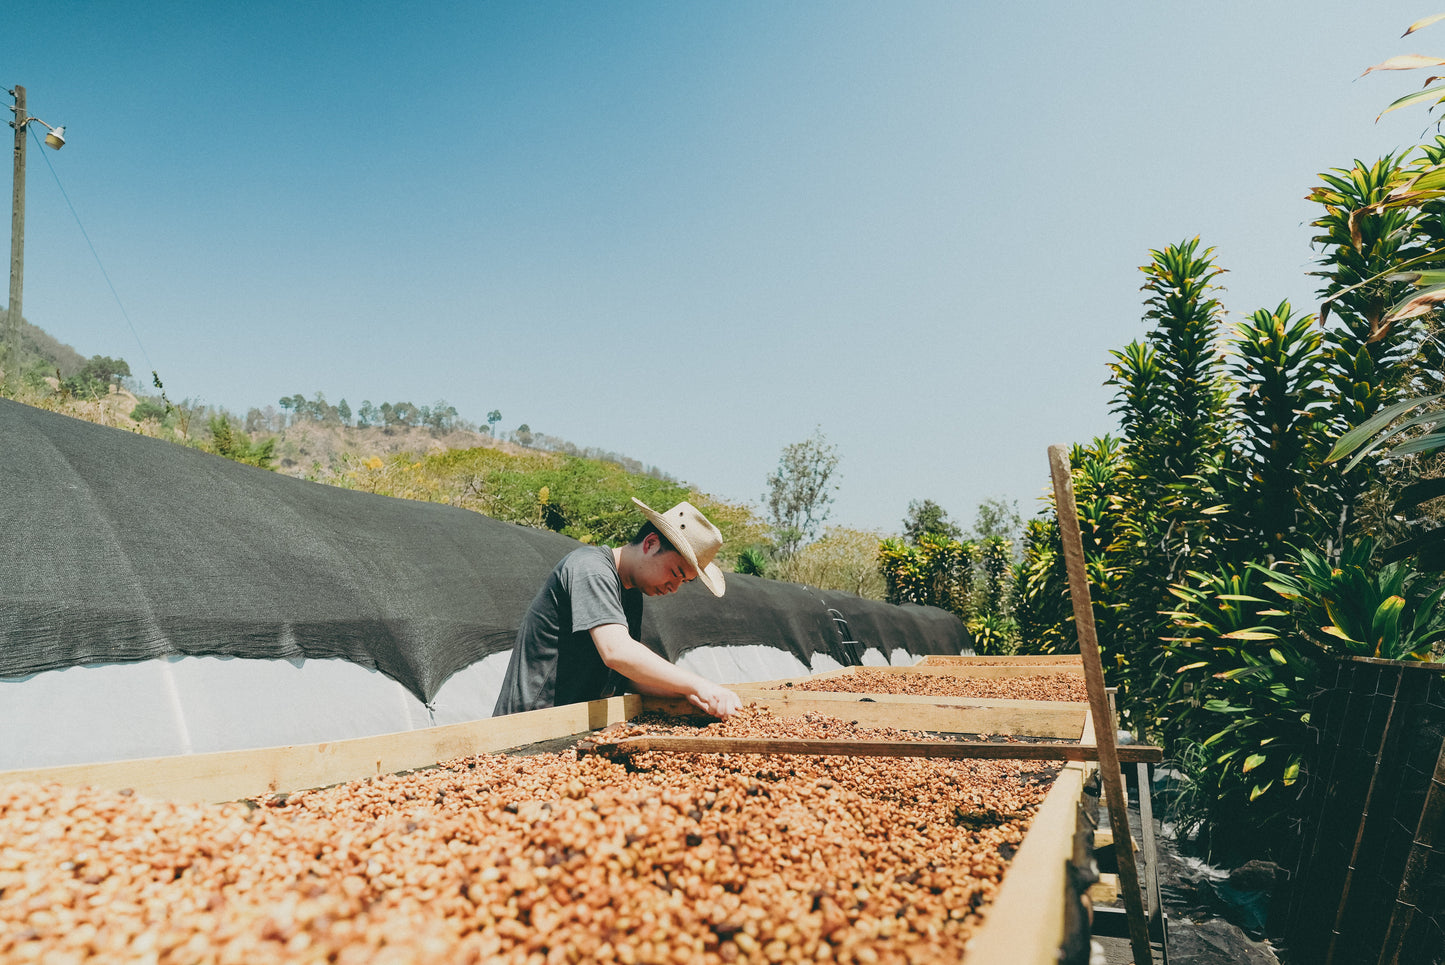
(649, 528)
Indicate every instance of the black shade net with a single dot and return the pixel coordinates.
(120, 548)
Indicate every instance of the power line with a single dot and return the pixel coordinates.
(104, 274)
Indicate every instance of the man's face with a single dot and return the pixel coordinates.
(660, 571)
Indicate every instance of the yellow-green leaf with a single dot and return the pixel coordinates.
(1253, 761)
(1435, 94)
(1423, 23)
(1406, 62)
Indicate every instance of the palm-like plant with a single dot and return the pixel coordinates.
(1239, 686)
(1276, 367)
(1391, 612)
(1365, 238)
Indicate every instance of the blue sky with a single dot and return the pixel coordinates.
(688, 232)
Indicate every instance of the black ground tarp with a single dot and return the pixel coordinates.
(119, 548)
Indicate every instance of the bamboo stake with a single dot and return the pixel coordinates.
(1105, 727)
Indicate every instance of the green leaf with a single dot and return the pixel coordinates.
(1291, 772)
(1361, 433)
(1254, 634)
(1253, 761)
(1435, 94)
(1385, 629)
(1425, 276)
(1255, 794)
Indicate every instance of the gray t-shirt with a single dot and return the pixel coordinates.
(554, 660)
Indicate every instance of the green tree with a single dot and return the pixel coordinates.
(96, 376)
(228, 441)
(927, 518)
(800, 491)
(841, 559)
(997, 519)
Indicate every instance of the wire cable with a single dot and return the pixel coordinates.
(94, 253)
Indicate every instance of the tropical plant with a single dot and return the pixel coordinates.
(1423, 433)
(1041, 604)
(1238, 690)
(1276, 370)
(753, 561)
(993, 635)
(1390, 611)
(1175, 469)
(1364, 240)
(937, 572)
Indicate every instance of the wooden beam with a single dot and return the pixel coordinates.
(1025, 923)
(966, 670)
(1032, 660)
(1105, 726)
(944, 750)
(231, 775)
(951, 715)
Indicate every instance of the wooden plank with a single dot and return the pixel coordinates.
(971, 670)
(1031, 660)
(1105, 725)
(953, 715)
(1025, 923)
(981, 671)
(231, 775)
(943, 750)
(1105, 891)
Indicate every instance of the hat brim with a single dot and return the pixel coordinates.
(711, 575)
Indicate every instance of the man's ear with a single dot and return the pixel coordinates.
(650, 544)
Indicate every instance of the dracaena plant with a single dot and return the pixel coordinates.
(1041, 604)
(1239, 684)
(1276, 369)
(1358, 606)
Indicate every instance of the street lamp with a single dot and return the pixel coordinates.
(54, 138)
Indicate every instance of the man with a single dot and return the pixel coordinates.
(584, 628)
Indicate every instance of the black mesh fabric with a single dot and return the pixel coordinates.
(122, 548)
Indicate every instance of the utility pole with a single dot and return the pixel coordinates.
(55, 140)
(17, 241)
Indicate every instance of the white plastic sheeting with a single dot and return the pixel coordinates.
(193, 705)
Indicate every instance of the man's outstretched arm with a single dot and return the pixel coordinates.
(654, 675)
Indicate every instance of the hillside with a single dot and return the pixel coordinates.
(395, 449)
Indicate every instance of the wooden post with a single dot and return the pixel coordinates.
(17, 244)
(1105, 727)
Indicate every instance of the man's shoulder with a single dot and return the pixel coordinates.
(588, 561)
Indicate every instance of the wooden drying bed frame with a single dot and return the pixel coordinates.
(1020, 928)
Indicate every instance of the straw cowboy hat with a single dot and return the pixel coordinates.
(693, 536)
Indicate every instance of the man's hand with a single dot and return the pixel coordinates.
(715, 700)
